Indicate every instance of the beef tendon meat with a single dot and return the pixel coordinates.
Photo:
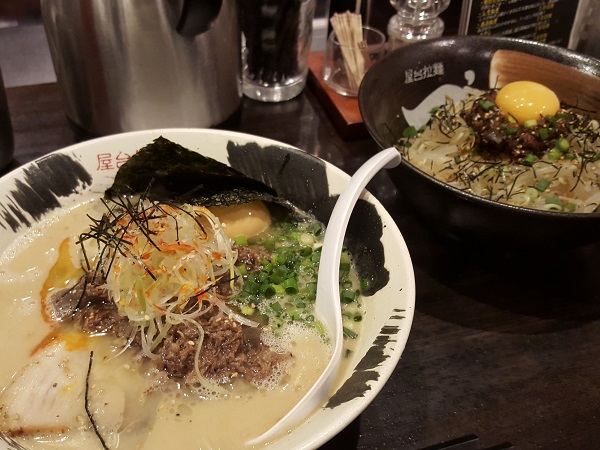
(88, 308)
(228, 350)
(497, 135)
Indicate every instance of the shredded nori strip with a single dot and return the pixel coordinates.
(87, 403)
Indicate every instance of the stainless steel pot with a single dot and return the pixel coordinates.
(126, 65)
(7, 144)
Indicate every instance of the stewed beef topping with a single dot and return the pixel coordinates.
(497, 135)
(228, 349)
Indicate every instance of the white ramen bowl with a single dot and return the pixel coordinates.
(79, 173)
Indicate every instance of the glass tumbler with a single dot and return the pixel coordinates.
(276, 40)
(344, 67)
(415, 20)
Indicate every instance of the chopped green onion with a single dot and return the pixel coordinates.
(262, 277)
(267, 266)
(554, 154)
(487, 105)
(530, 123)
(345, 267)
(291, 286)
(562, 144)
(529, 159)
(410, 132)
(242, 241)
(553, 201)
(320, 328)
(251, 287)
(272, 290)
(307, 239)
(533, 193)
(288, 278)
(349, 333)
(305, 251)
(544, 133)
(316, 256)
(315, 228)
(293, 313)
(348, 296)
(269, 244)
(542, 185)
(247, 310)
(242, 269)
(345, 257)
(364, 284)
(279, 289)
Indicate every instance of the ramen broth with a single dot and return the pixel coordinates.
(169, 414)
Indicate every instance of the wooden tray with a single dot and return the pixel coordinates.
(342, 110)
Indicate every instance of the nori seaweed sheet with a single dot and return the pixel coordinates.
(168, 172)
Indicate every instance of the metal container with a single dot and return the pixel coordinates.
(7, 146)
(126, 65)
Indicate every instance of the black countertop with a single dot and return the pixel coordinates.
(505, 342)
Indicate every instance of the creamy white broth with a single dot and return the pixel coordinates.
(182, 420)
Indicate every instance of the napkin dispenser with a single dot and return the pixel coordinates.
(141, 64)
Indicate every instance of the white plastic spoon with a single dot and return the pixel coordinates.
(328, 290)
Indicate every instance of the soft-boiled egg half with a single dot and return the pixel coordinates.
(527, 100)
(246, 219)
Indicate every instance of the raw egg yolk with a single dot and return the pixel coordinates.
(527, 100)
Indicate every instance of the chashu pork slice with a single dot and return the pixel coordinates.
(47, 396)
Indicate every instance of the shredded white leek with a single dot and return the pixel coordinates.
(166, 268)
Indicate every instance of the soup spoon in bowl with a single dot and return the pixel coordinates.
(327, 303)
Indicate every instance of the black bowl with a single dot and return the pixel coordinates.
(408, 75)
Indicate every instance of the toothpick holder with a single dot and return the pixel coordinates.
(344, 67)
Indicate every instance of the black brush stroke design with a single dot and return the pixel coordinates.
(365, 371)
(294, 175)
(38, 191)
